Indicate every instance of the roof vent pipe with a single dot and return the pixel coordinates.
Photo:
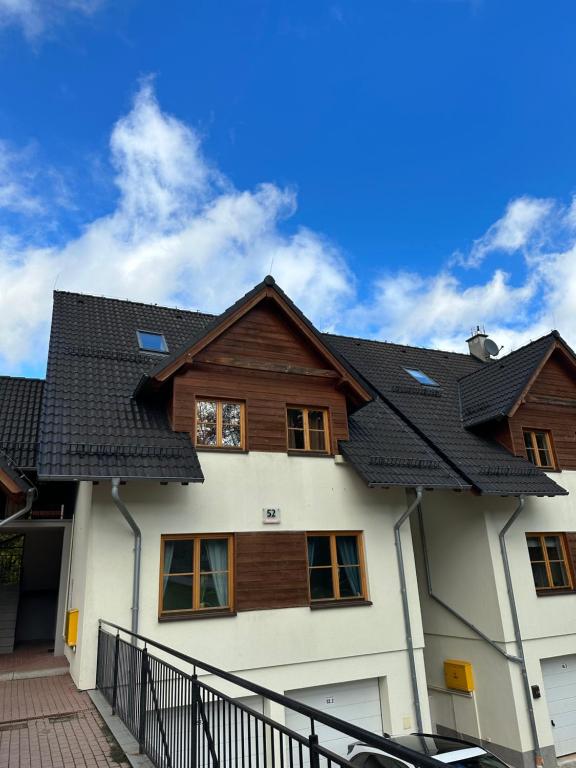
(123, 509)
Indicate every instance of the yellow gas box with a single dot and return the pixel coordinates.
(72, 627)
(458, 675)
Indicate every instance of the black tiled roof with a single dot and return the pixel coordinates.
(434, 413)
(93, 426)
(20, 402)
(386, 452)
(491, 391)
(90, 426)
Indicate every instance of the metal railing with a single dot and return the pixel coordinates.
(180, 721)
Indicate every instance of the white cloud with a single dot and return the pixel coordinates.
(33, 16)
(522, 219)
(180, 233)
(537, 238)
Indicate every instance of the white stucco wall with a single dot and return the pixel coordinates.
(282, 649)
(467, 572)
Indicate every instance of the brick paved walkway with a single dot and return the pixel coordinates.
(32, 657)
(47, 723)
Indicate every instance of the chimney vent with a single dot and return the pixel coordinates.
(481, 346)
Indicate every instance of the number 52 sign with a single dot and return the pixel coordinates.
(270, 515)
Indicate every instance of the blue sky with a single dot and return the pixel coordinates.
(407, 166)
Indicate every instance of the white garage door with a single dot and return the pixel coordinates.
(356, 702)
(560, 686)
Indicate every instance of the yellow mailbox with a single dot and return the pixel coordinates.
(72, 627)
(458, 675)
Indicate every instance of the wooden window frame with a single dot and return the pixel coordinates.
(550, 589)
(326, 422)
(363, 598)
(219, 436)
(196, 610)
(549, 446)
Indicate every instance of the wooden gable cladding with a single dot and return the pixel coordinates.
(549, 405)
(265, 362)
(264, 334)
(271, 571)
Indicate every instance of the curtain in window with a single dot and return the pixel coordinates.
(168, 556)
(311, 549)
(217, 550)
(348, 556)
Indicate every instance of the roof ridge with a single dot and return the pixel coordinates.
(397, 344)
(552, 334)
(22, 378)
(139, 303)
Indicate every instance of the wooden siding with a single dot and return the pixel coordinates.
(261, 337)
(550, 405)
(271, 571)
(571, 550)
(265, 334)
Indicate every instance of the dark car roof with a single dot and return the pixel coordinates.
(431, 744)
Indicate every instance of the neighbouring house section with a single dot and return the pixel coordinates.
(450, 540)
(34, 546)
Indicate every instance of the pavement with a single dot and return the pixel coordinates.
(45, 722)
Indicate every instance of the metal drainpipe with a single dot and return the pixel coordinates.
(30, 496)
(517, 633)
(465, 621)
(123, 509)
(405, 606)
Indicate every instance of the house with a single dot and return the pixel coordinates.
(255, 493)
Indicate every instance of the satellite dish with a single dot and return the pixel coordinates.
(491, 347)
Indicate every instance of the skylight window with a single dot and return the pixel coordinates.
(421, 377)
(152, 342)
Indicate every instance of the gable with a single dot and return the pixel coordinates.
(274, 307)
(264, 335)
(556, 381)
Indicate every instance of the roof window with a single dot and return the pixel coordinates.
(152, 342)
(422, 378)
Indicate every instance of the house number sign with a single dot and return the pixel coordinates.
(270, 515)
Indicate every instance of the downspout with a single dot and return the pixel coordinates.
(517, 633)
(433, 596)
(405, 606)
(30, 496)
(123, 509)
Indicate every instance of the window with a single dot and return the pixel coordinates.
(548, 560)
(152, 342)
(196, 574)
(307, 429)
(539, 448)
(219, 424)
(421, 377)
(336, 567)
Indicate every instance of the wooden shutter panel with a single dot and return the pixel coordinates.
(271, 571)
(571, 547)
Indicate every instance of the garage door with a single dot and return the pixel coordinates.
(356, 702)
(560, 686)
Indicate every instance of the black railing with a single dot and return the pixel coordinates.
(180, 721)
